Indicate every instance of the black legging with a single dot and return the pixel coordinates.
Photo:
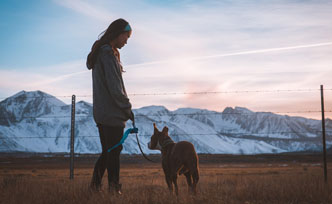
(109, 136)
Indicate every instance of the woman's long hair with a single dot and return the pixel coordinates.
(113, 31)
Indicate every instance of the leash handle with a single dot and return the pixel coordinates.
(124, 137)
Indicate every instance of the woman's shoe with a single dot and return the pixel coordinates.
(115, 189)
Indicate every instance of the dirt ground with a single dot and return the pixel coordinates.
(285, 178)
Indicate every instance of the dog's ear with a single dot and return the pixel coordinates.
(155, 127)
(165, 130)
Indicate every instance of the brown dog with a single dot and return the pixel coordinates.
(177, 158)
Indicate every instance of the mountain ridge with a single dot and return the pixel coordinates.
(39, 122)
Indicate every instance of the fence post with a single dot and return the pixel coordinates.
(323, 131)
(72, 135)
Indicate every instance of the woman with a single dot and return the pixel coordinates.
(111, 106)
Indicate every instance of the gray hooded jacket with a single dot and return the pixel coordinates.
(111, 104)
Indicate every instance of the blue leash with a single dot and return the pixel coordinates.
(124, 137)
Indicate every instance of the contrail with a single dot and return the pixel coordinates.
(196, 58)
(59, 78)
(233, 54)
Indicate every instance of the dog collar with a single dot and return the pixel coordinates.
(167, 142)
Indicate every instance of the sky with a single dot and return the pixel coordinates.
(265, 55)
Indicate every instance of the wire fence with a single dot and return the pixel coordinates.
(190, 134)
(311, 134)
(78, 115)
(188, 93)
(169, 114)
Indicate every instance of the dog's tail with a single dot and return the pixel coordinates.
(194, 170)
(195, 175)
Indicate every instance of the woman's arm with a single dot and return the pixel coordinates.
(114, 82)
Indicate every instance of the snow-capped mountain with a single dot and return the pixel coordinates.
(38, 122)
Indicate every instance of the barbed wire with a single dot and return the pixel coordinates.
(201, 134)
(221, 113)
(43, 117)
(68, 137)
(69, 96)
(240, 135)
(172, 114)
(219, 92)
(188, 93)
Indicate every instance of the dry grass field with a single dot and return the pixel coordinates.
(223, 179)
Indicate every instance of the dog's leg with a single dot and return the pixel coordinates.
(188, 177)
(195, 176)
(174, 179)
(169, 183)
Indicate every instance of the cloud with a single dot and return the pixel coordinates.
(204, 46)
(87, 9)
(267, 50)
(62, 79)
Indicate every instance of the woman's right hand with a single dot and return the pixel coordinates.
(132, 117)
